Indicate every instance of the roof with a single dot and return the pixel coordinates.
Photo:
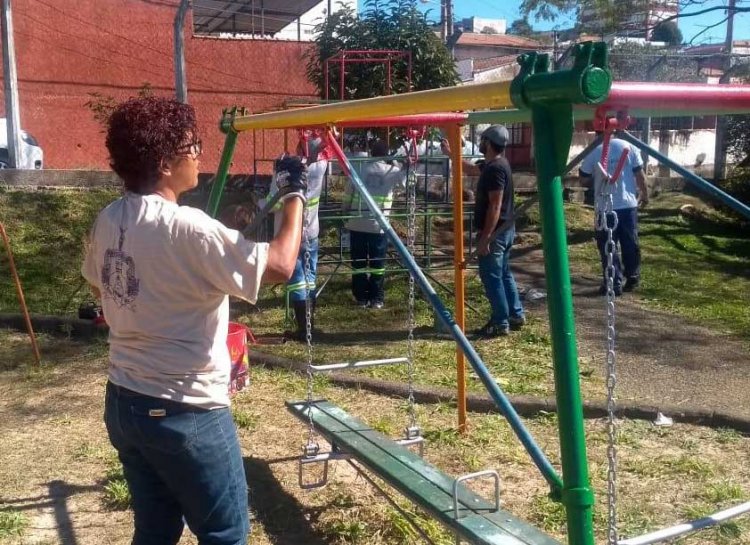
(498, 40)
(246, 16)
(489, 63)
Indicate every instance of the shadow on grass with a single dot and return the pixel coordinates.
(285, 521)
(57, 500)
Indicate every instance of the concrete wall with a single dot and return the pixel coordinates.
(691, 149)
(66, 50)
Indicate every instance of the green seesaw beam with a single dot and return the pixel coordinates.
(477, 521)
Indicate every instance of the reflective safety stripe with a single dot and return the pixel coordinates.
(377, 272)
(300, 286)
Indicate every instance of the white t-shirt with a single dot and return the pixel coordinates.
(380, 179)
(624, 194)
(165, 272)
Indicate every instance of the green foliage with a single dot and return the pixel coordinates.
(637, 62)
(520, 27)
(102, 106)
(738, 139)
(667, 32)
(393, 24)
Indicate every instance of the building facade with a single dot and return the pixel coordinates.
(636, 18)
(68, 58)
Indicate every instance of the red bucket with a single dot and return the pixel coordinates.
(237, 343)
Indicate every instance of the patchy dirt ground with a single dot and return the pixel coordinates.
(661, 358)
(55, 459)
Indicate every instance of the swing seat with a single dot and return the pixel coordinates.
(472, 518)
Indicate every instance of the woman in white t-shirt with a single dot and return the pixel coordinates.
(164, 273)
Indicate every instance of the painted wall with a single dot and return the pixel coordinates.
(311, 19)
(692, 149)
(113, 47)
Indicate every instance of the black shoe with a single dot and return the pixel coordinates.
(491, 330)
(631, 284)
(517, 322)
(377, 305)
(603, 290)
(361, 303)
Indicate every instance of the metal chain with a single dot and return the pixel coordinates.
(411, 234)
(608, 222)
(312, 446)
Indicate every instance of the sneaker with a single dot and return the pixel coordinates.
(377, 305)
(361, 303)
(491, 330)
(517, 322)
(631, 284)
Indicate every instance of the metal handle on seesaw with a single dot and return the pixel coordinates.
(357, 364)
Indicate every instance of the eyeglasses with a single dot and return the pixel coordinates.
(194, 149)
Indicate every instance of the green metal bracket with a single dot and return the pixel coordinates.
(550, 96)
(217, 188)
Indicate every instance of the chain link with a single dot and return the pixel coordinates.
(607, 221)
(411, 234)
(312, 447)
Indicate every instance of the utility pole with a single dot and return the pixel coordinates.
(443, 29)
(448, 19)
(12, 111)
(720, 152)
(180, 78)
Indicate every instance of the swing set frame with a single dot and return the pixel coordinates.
(552, 101)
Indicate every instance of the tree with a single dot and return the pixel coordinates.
(668, 33)
(393, 24)
(520, 27)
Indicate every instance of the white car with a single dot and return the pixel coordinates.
(32, 156)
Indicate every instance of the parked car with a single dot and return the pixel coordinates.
(32, 156)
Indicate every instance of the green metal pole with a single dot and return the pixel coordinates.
(217, 189)
(550, 97)
(577, 496)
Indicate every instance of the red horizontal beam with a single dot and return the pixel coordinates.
(680, 97)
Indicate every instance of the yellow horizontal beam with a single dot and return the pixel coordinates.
(459, 98)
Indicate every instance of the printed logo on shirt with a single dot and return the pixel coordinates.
(118, 276)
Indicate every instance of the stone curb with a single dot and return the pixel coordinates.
(524, 405)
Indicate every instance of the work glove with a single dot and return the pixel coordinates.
(290, 177)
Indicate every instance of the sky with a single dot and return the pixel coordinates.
(690, 26)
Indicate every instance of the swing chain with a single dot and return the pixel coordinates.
(312, 447)
(611, 377)
(411, 185)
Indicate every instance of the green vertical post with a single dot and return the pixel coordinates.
(217, 188)
(550, 96)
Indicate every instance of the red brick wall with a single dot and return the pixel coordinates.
(66, 49)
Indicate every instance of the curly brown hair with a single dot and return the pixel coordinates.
(144, 132)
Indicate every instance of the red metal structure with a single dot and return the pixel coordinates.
(365, 56)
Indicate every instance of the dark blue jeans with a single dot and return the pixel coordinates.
(296, 284)
(497, 279)
(180, 463)
(626, 237)
(368, 251)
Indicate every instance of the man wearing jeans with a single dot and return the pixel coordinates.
(628, 192)
(493, 218)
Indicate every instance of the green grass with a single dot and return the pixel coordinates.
(695, 266)
(46, 231)
(12, 524)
